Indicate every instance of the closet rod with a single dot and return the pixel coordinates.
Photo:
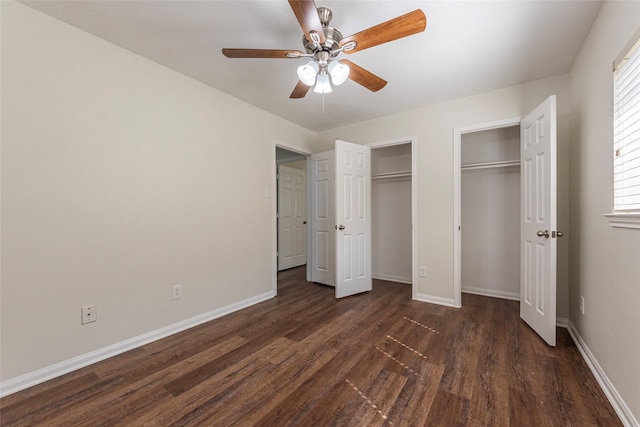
(490, 165)
(391, 175)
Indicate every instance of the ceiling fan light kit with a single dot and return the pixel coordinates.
(307, 73)
(318, 70)
(339, 72)
(323, 44)
(322, 83)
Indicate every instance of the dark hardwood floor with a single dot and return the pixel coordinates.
(307, 359)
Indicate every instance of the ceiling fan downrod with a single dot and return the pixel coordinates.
(331, 35)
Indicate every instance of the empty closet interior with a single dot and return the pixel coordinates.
(490, 193)
(391, 213)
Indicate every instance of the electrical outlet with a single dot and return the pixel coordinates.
(89, 314)
(176, 292)
(581, 305)
(423, 271)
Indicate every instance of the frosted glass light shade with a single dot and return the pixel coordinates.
(322, 84)
(307, 73)
(339, 72)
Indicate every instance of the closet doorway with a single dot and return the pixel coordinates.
(490, 212)
(393, 216)
(487, 210)
(538, 212)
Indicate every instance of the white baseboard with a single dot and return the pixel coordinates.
(449, 302)
(391, 278)
(515, 296)
(562, 322)
(41, 375)
(610, 391)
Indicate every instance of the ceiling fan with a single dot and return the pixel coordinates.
(323, 44)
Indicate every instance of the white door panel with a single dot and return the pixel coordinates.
(323, 218)
(300, 213)
(292, 217)
(353, 219)
(538, 210)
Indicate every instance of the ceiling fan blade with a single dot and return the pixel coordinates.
(364, 77)
(300, 90)
(307, 15)
(261, 53)
(396, 28)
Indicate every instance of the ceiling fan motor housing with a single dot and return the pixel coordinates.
(332, 36)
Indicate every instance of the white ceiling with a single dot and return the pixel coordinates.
(468, 47)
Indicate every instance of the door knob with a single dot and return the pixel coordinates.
(339, 227)
(559, 233)
(544, 233)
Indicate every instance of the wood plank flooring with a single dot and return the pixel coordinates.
(306, 359)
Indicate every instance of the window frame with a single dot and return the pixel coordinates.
(619, 217)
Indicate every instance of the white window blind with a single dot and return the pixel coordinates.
(626, 132)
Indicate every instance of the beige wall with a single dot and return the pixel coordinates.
(605, 261)
(434, 127)
(116, 184)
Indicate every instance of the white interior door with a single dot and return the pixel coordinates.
(538, 210)
(292, 218)
(322, 177)
(353, 218)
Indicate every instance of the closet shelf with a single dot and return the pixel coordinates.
(488, 165)
(387, 175)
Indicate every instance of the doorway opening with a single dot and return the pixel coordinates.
(487, 210)
(393, 212)
(289, 207)
(490, 213)
(291, 214)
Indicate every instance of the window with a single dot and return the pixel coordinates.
(626, 132)
(626, 136)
